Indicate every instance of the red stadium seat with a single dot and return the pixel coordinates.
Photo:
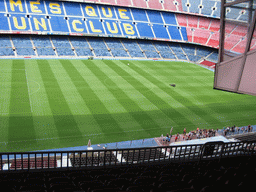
(155, 4)
(124, 2)
(140, 3)
(204, 22)
(240, 47)
(201, 36)
(95, 1)
(190, 34)
(231, 41)
(192, 21)
(207, 63)
(229, 27)
(182, 20)
(253, 44)
(214, 40)
(112, 2)
(215, 25)
(240, 30)
(169, 5)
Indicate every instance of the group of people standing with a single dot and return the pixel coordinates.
(236, 130)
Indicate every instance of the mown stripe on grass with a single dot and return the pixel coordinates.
(21, 125)
(63, 118)
(42, 115)
(150, 95)
(132, 108)
(100, 113)
(202, 112)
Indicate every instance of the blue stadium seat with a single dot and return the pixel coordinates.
(169, 18)
(83, 52)
(174, 32)
(188, 49)
(213, 57)
(5, 41)
(181, 56)
(65, 51)
(21, 41)
(207, 7)
(145, 30)
(167, 55)
(119, 53)
(160, 31)
(152, 54)
(139, 15)
(41, 41)
(79, 42)
(133, 48)
(25, 51)
(146, 45)
(155, 17)
(194, 6)
(6, 52)
(61, 41)
(41, 51)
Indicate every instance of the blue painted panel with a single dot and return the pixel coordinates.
(139, 15)
(145, 30)
(155, 17)
(184, 33)
(129, 29)
(112, 28)
(160, 31)
(77, 25)
(123, 13)
(107, 12)
(174, 32)
(90, 11)
(19, 22)
(95, 26)
(59, 23)
(39, 23)
(54, 8)
(169, 18)
(2, 7)
(4, 22)
(73, 9)
(36, 7)
(18, 8)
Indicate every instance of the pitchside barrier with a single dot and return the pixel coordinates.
(31, 161)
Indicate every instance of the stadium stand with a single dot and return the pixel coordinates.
(23, 45)
(74, 18)
(204, 22)
(6, 46)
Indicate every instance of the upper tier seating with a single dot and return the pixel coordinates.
(107, 20)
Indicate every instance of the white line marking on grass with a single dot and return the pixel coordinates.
(38, 87)
(28, 92)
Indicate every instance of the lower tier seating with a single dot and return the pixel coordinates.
(69, 46)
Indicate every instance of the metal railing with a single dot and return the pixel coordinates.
(117, 157)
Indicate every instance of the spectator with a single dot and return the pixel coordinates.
(184, 131)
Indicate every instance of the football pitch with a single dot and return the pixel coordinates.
(46, 104)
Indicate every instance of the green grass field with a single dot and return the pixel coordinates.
(48, 104)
